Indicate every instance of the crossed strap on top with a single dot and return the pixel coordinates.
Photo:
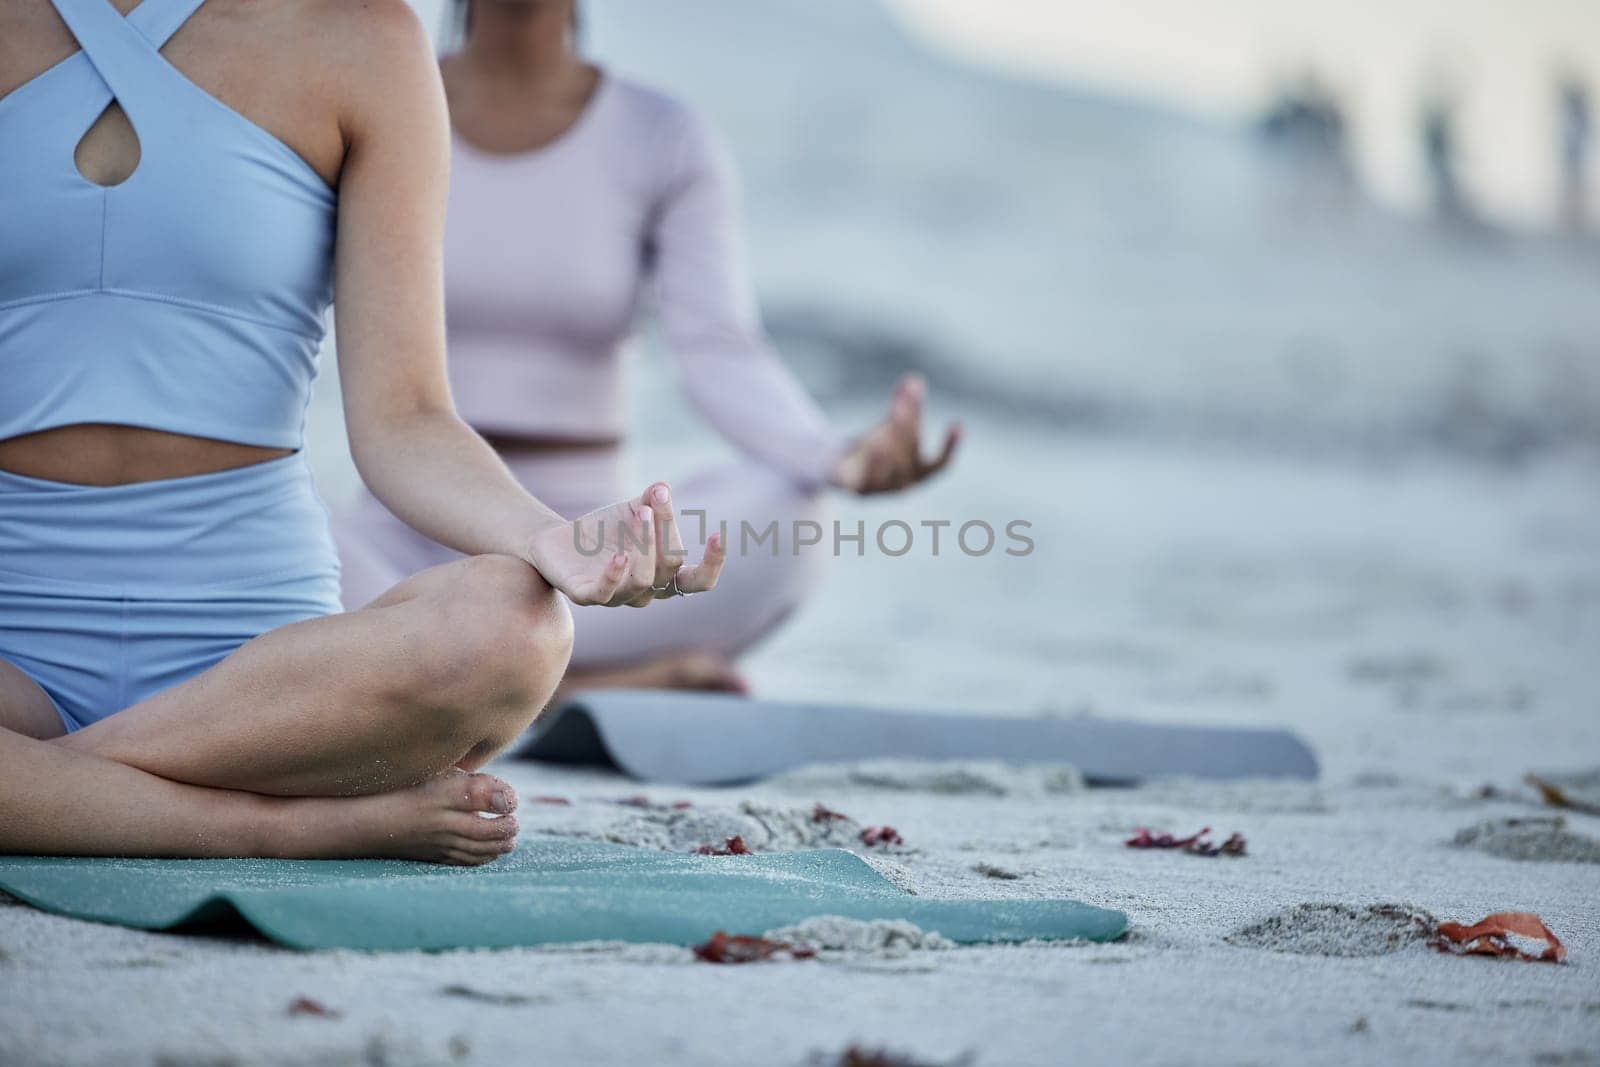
(125, 51)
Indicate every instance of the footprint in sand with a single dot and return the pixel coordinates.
(1541, 839)
(995, 778)
(888, 938)
(673, 828)
(1338, 930)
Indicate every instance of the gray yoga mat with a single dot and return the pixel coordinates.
(716, 739)
(550, 890)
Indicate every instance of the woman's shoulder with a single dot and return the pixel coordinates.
(645, 102)
(375, 58)
(370, 41)
(650, 107)
(337, 39)
(365, 26)
(674, 129)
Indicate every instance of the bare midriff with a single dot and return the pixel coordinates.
(103, 454)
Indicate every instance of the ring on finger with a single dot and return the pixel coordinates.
(673, 586)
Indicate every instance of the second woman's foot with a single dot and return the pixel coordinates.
(703, 672)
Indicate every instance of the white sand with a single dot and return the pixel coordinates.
(1431, 632)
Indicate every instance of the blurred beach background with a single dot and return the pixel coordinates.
(1187, 272)
(1279, 325)
(1212, 221)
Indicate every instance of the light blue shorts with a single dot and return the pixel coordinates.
(111, 594)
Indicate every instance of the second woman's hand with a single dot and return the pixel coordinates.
(888, 457)
(628, 553)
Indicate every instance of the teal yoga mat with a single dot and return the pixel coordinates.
(550, 890)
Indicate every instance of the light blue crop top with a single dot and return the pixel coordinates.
(190, 298)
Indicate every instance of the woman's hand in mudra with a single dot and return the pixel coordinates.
(626, 553)
(888, 457)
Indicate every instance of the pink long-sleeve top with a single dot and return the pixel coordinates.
(551, 255)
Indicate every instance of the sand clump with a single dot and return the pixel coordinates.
(994, 870)
(1338, 930)
(1542, 839)
(763, 828)
(889, 938)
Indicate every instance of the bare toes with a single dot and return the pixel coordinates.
(485, 851)
(472, 827)
(481, 792)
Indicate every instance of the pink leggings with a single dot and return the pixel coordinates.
(758, 589)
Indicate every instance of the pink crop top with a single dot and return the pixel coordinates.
(550, 255)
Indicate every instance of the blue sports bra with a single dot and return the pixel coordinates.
(191, 297)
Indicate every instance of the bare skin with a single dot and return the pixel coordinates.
(699, 672)
(516, 84)
(355, 734)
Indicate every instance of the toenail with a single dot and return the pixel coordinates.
(500, 801)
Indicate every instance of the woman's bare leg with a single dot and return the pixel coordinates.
(24, 707)
(443, 671)
(59, 802)
(340, 736)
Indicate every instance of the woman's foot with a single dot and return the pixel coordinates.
(703, 672)
(439, 821)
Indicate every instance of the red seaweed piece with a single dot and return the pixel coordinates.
(642, 801)
(1491, 936)
(308, 1006)
(1234, 845)
(822, 814)
(562, 801)
(1143, 838)
(873, 836)
(734, 846)
(1197, 844)
(857, 1056)
(1557, 797)
(736, 948)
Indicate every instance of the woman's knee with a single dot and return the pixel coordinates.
(500, 635)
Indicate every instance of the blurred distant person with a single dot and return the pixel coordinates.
(1305, 123)
(574, 194)
(1577, 138)
(1306, 117)
(1439, 153)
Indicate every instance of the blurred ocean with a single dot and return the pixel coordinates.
(1066, 257)
(1498, 64)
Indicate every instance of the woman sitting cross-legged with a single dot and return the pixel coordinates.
(183, 189)
(578, 196)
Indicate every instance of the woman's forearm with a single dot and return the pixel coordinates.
(438, 476)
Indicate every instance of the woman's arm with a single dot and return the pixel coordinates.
(708, 314)
(413, 451)
(728, 368)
